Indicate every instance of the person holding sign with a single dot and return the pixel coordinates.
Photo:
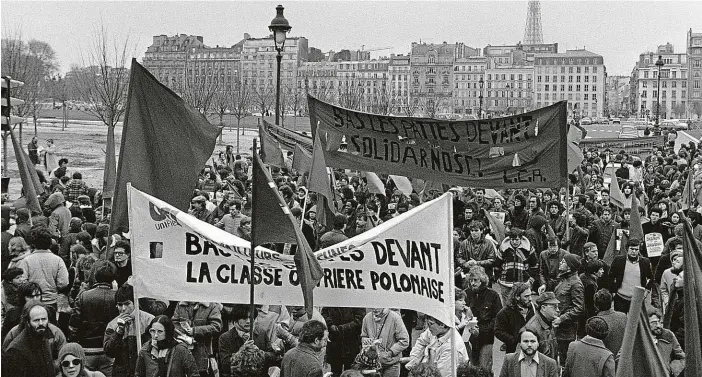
(384, 327)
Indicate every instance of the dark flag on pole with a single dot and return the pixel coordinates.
(692, 291)
(28, 174)
(165, 144)
(270, 149)
(272, 222)
(319, 182)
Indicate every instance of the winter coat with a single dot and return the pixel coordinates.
(301, 361)
(229, 344)
(516, 266)
(206, 320)
(671, 352)
(601, 233)
(512, 367)
(123, 348)
(482, 251)
(508, 323)
(179, 360)
(547, 335)
(589, 357)
(48, 270)
(616, 275)
(548, 268)
(346, 342)
(534, 234)
(94, 309)
(519, 218)
(392, 334)
(485, 305)
(569, 292)
(28, 356)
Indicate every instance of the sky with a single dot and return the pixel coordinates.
(617, 30)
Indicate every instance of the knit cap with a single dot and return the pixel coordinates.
(597, 327)
(368, 359)
(73, 349)
(573, 261)
(674, 254)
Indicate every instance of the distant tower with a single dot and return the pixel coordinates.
(532, 30)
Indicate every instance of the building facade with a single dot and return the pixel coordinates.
(399, 74)
(694, 61)
(467, 89)
(508, 90)
(577, 76)
(167, 57)
(618, 93)
(674, 83)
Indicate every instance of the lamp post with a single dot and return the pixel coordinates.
(659, 64)
(280, 28)
(480, 110)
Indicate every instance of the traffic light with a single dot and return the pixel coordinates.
(8, 102)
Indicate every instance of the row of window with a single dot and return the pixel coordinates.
(664, 84)
(554, 88)
(563, 78)
(548, 70)
(571, 97)
(664, 94)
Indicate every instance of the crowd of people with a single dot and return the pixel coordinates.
(544, 295)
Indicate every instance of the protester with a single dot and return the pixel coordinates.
(303, 360)
(29, 354)
(232, 340)
(484, 304)
(549, 261)
(121, 253)
(529, 359)
(628, 271)
(516, 262)
(547, 310)
(384, 328)
(45, 268)
(589, 356)
(198, 322)
(164, 354)
(439, 347)
(513, 316)
(344, 325)
(72, 360)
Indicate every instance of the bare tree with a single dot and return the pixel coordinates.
(350, 97)
(697, 109)
(59, 91)
(199, 92)
(412, 107)
(383, 100)
(241, 101)
(103, 85)
(221, 105)
(31, 62)
(295, 102)
(265, 99)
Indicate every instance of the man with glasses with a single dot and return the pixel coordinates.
(668, 345)
(547, 309)
(122, 254)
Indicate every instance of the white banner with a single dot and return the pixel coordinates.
(654, 244)
(406, 262)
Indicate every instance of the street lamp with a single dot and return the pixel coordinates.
(480, 110)
(280, 28)
(659, 64)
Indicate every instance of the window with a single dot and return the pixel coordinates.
(521, 77)
(547, 78)
(586, 87)
(546, 88)
(570, 88)
(562, 69)
(585, 97)
(696, 84)
(644, 84)
(562, 88)
(594, 87)
(587, 69)
(645, 74)
(644, 94)
(587, 78)
(570, 69)
(674, 84)
(577, 78)
(673, 94)
(594, 69)
(570, 78)
(577, 70)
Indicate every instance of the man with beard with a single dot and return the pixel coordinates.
(30, 353)
(629, 271)
(529, 361)
(569, 292)
(484, 303)
(547, 309)
(589, 356)
(514, 316)
(668, 345)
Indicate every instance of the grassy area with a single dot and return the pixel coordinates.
(84, 145)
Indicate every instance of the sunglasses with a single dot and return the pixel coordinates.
(68, 363)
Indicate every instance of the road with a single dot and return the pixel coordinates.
(600, 131)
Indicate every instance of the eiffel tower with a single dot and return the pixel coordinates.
(532, 29)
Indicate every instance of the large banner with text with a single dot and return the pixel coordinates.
(521, 151)
(406, 262)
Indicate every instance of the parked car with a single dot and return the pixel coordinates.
(616, 121)
(628, 132)
(585, 121)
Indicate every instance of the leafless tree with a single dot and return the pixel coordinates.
(241, 101)
(383, 100)
(412, 107)
(58, 90)
(697, 109)
(350, 97)
(200, 92)
(295, 100)
(31, 62)
(103, 85)
(264, 98)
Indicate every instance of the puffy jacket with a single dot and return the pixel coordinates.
(516, 265)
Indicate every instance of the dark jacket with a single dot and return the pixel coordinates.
(589, 290)
(179, 360)
(28, 356)
(485, 305)
(301, 361)
(482, 251)
(229, 344)
(512, 368)
(589, 357)
(569, 292)
(616, 321)
(206, 320)
(123, 348)
(616, 273)
(547, 335)
(508, 323)
(670, 351)
(548, 268)
(345, 342)
(600, 234)
(94, 309)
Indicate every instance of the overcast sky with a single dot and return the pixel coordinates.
(618, 30)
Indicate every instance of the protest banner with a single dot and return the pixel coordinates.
(654, 244)
(287, 138)
(640, 146)
(403, 263)
(522, 151)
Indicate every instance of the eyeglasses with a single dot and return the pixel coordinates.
(120, 253)
(68, 363)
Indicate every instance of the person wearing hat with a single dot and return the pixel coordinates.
(60, 217)
(589, 356)
(547, 309)
(593, 271)
(72, 362)
(570, 292)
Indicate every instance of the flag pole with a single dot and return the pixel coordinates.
(253, 247)
(137, 322)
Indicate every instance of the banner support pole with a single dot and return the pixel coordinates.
(252, 313)
(453, 287)
(137, 322)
